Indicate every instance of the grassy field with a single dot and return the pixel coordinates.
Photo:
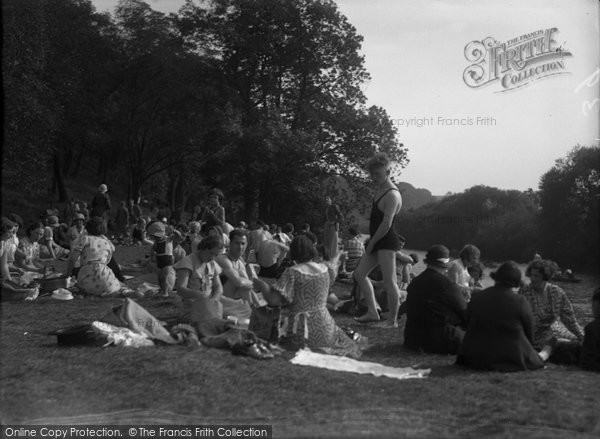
(42, 382)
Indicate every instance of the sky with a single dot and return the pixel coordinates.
(415, 53)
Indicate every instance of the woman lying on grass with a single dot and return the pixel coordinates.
(304, 288)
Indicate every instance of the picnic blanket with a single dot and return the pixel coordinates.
(306, 357)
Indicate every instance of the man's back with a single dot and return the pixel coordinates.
(432, 304)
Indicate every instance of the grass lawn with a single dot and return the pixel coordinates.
(42, 382)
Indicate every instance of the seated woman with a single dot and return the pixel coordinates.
(10, 290)
(29, 248)
(138, 233)
(304, 288)
(197, 280)
(193, 237)
(500, 327)
(458, 270)
(550, 305)
(53, 244)
(94, 251)
(218, 232)
(590, 351)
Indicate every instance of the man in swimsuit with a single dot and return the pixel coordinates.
(383, 244)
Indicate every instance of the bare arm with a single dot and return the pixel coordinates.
(231, 274)
(183, 276)
(402, 258)
(4, 267)
(217, 288)
(392, 202)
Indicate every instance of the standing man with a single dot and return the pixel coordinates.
(384, 242)
(333, 217)
(101, 204)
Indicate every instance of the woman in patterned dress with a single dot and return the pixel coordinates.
(304, 288)
(29, 247)
(550, 306)
(95, 251)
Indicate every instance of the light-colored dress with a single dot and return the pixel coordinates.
(459, 274)
(306, 286)
(201, 275)
(95, 277)
(31, 250)
(553, 315)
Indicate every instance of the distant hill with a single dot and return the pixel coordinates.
(356, 209)
(413, 198)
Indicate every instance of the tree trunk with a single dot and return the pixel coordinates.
(78, 161)
(59, 178)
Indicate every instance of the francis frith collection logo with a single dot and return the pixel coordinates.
(516, 62)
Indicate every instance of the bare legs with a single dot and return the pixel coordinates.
(386, 259)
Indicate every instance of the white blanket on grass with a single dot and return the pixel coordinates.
(305, 357)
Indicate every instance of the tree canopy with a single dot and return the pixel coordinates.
(262, 98)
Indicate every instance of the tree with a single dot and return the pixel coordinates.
(569, 200)
(295, 73)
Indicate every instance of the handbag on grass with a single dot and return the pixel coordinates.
(265, 321)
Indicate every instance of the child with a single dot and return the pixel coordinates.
(162, 254)
(590, 351)
(138, 233)
(178, 251)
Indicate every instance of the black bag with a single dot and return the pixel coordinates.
(79, 335)
(264, 322)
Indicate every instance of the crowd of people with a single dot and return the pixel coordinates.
(221, 271)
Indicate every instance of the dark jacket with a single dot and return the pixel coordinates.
(499, 333)
(590, 351)
(100, 204)
(435, 312)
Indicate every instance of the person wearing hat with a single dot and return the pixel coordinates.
(77, 229)
(101, 206)
(500, 327)
(162, 256)
(435, 308)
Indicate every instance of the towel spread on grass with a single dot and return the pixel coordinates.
(306, 357)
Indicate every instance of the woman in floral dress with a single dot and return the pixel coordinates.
(29, 247)
(304, 288)
(95, 251)
(553, 314)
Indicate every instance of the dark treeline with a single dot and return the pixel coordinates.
(260, 98)
(560, 220)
